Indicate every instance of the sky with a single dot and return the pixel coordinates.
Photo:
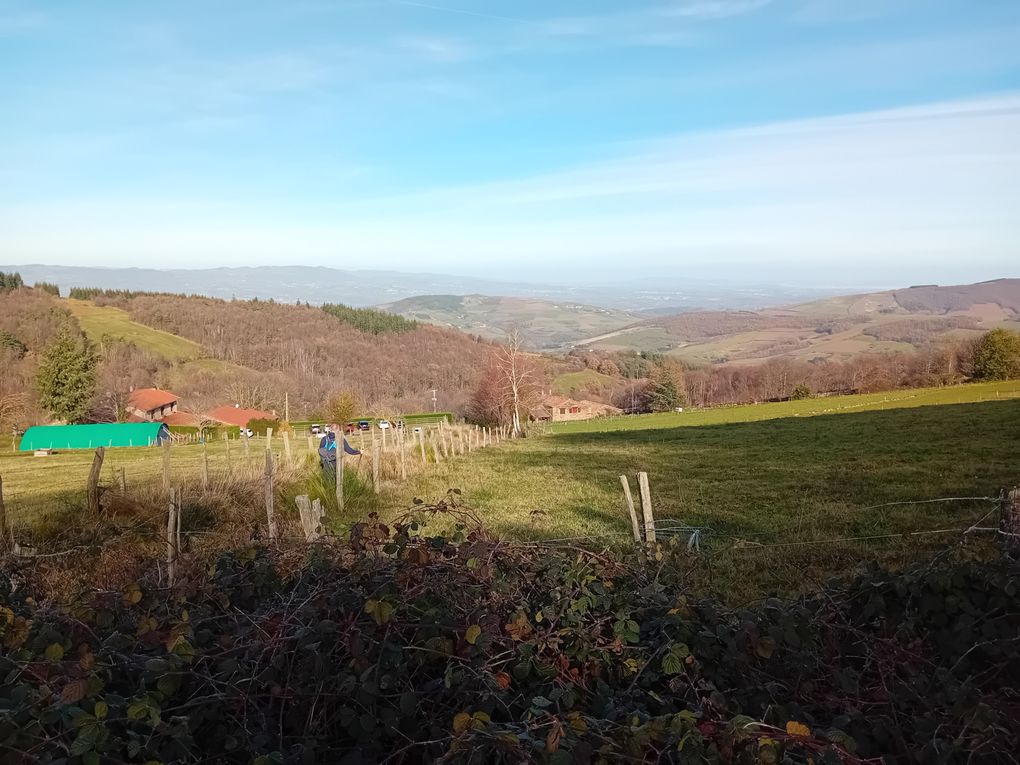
(824, 142)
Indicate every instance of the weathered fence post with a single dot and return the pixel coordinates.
(375, 463)
(384, 438)
(311, 517)
(92, 494)
(123, 480)
(286, 448)
(310, 446)
(166, 466)
(635, 527)
(173, 533)
(269, 438)
(646, 507)
(205, 466)
(4, 536)
(434, 440)
(226, 443)
(403, 456)
(341, 450)
(270, 514)
(1009, 524)
(421, 446)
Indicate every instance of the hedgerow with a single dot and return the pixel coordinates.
(401, 646)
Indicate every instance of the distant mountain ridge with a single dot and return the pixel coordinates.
(363, 288)
(544, 324)
(837, 327)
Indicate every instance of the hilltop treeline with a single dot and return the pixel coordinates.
(94, 293)
(369, 319)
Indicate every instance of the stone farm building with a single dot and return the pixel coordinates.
(563, 409)
(158, 405)
(151, 404)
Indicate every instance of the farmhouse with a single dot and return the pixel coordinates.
(236, 415)
(151, 404)
(92, 436)
(561, 409)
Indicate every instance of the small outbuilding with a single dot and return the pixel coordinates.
(92, 436)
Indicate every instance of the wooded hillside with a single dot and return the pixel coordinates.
(312, 354)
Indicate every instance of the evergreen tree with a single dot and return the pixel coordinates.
(997, 356)
(66, 379)
(665, 396)
(10, 281)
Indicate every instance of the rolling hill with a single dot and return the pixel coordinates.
(546, 325)
(832, 328)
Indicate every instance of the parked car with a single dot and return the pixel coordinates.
(384, 424)
(416, 430)
(247, 432)
(316, 429)
(350, 427)
(364, 425)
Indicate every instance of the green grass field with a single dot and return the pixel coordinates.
(774, 474)
(97, 321)
(570, 383)
(781, 490)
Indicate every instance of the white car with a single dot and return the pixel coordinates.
(383, 424)
(416, 430)
(247, 432)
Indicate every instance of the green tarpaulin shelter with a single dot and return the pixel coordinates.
(92, 436)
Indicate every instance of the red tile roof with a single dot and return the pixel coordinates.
(232, 415)
(147, 399)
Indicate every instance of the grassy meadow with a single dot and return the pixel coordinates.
(783, 491)
(99, 321)
(763, 481)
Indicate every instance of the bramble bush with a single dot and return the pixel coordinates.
(401, 646)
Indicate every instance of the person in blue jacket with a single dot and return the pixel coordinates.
(327, 453)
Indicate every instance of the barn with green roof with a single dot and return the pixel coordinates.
(91, 436)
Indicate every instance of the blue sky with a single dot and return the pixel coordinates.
(857, 142)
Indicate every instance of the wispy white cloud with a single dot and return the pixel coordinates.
(858, 192)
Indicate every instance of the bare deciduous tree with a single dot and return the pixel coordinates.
(518, 387)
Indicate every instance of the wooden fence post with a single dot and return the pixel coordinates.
(205, 466)
(635, 527)
(375, 463)
(123, 480)
(403, 456)
(286, 448)
(269, 439)
(173, 534)
(270, 514)
(166, 466)
(1009, 524)
(421, 446)
(92, 495)
(434, 440)
(646, 507)
(341, 453)
(4, 536)
(311, 517)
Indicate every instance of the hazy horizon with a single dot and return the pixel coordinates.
(831, 143)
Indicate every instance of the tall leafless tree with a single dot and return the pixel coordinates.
(518, 377)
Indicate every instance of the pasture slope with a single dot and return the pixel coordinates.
(771, 484)
(104, 321)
